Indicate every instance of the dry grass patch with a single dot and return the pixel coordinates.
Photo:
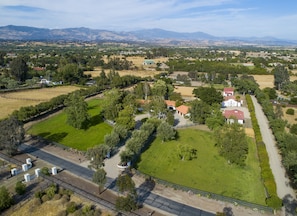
(249, 132)
(290, 118)
(49, 208)
(268, 80)
(141, 73)
(15, 100)
(184, 91)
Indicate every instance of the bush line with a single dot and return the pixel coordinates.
(272, 199)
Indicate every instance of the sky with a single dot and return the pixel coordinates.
(241, 18)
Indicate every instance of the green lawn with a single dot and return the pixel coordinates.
(57, 130)
(209, 172)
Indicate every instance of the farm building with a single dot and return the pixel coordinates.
(148, 62)
(229, 91)
(233, 116)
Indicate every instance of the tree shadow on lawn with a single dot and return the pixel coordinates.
(144, 190)
(137, 158)
(57, 137)
(94, 120)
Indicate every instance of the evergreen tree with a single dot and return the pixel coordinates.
(232, 143)
(77, 111)
(281, 77)
(5, 198)
(19, 69)
(12, 134)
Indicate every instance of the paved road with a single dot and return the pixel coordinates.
(151, 199)
(282, 182)
(284, 190)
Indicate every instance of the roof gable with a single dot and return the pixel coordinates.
(183, 109)
(234, 113)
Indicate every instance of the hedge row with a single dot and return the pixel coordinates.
(29, 113)
(272, 199)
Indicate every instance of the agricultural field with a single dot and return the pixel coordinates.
(268, 80)
(56, 129)
(208, 172)
(141, 73)
(15, 100)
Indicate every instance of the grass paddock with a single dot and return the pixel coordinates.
(56, 129)
(209, 171)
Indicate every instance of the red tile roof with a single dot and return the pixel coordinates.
(234, 113)
(228, 89)
(183, 109)
(170, 103)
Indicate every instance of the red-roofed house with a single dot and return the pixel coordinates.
(230, 101)
(170, 104)
(228, 91)
(183, 110)
(234, 115)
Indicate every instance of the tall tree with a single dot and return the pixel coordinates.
(96, 155)
(70, 73)
(157, 106)
(281, 76)
(19, 68)
(125, 184)
(209, 95)
(165, 132)
(99, 177)
(112, 139)
(232, 143)
(77, 110)
(199, 111)
(126, 118)
(215, 119)
(12, 134)
(112, 103)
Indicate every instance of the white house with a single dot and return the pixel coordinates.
(234, 116)
(230, 101)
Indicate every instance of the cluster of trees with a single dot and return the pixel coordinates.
(232, 143)
(116, 63)
(12, 134)
(206, 110)
(127, 201)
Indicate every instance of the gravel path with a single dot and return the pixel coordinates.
(284, 190)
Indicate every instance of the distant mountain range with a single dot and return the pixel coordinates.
(149, 36)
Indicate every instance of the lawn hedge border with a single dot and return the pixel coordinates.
(272, 199)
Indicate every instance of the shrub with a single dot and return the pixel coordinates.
(71, 207)
(45, 171)
(37, 202)
(57, 196)
(51, 191)
(274, 202)
(20, 188)
(293, 129)
(45, 198)
(290, 111)
(38, 194)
